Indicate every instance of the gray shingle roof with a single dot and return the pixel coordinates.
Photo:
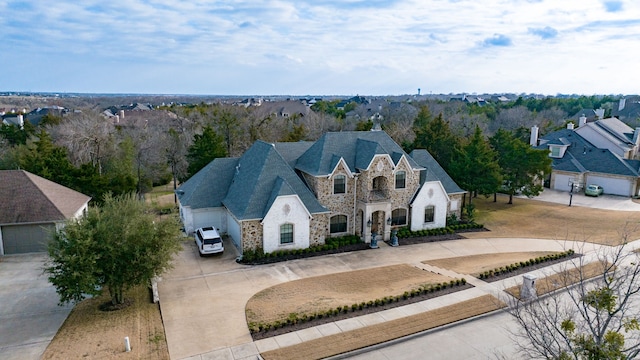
(208, 186)
(582, 156)
(291, 151)
(29, 198)
(357, 148)
(434, 172)
(261, 170)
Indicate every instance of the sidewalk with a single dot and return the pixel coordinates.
(229, 345)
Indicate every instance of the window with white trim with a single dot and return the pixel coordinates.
(338, 224)
(429, 214)
(399, 217)
(401, 178)
(286, 233)
(339, 184)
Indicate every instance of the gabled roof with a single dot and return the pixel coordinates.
(29, 198)
(434, 172)
(582, 156)
(291, 151)
(357, 148)
(208, 186)
(616, 128)
(259, 171)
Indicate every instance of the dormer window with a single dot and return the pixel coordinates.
(339, 184)
(555, 151)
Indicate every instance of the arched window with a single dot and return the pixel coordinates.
(338, 224)
(286, 233)
(401, 177)
(339, 184)
(399, 217)
(429, 213)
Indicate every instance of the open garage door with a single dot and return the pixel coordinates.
(18, 239)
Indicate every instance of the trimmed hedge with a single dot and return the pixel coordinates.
(522, 264)
(335, 243)
(404, 232)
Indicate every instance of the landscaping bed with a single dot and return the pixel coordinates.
(412, 240)
(544, 262)
(350, 312)
(304, 254)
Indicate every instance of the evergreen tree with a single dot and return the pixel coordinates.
(206, 147)
(522, 166)
(117, 246)
(475, 167)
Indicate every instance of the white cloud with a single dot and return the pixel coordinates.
(322, 46)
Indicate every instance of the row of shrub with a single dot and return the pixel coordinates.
(404, 232)
(523, 264)
(295, 318)
(331, 243)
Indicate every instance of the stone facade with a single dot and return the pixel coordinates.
(319, 229)
(251, 234)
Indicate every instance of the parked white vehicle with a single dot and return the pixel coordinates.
(208, 241)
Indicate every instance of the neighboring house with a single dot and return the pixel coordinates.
(611, 134)
(577, 161)
(295, 195)
(587, 115)
(628, 108)
(17, 120)
(32, 208)
(35, 116)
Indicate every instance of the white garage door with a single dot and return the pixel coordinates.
(210, 217)
(562, 182)
(18, 239)
(612, 186)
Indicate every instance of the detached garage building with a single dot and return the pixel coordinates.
(31, 208)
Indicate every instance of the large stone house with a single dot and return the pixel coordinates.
(295, 195)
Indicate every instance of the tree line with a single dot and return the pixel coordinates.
(94, 155)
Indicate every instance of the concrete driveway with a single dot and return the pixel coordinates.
(606, 202)
(29, 314)
(203, 299)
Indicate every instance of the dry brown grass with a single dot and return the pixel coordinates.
(379, 333)
(310, 295)
(527, 218)
(563, 279)
(93, 334)
(476, 264)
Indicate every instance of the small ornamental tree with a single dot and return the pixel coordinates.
(118, 245)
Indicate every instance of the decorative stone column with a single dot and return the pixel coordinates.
(394, 237)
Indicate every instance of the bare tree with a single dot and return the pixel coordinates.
(87, 136)
(595, 318)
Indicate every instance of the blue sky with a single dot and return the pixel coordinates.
(320, 47)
